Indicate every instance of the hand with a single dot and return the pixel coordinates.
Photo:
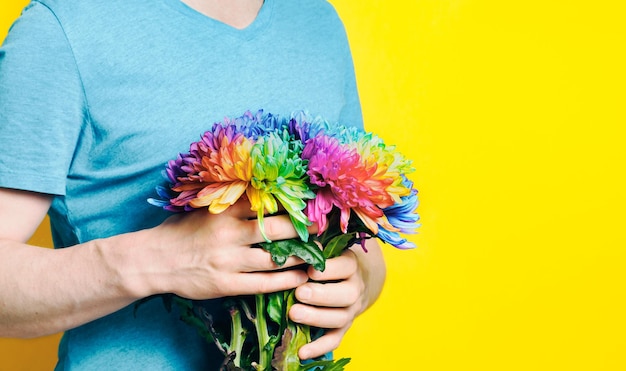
(332, 301)
(209, 255)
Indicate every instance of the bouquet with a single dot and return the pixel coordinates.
(349, 182)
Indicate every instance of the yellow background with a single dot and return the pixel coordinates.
(513, 112)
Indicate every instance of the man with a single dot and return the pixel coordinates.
(95, 96)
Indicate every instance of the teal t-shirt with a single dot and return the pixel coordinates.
(97, 95)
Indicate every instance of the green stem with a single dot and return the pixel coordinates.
(238, 335)
(259, 321)
(263, 337)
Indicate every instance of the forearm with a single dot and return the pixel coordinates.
(45, 291)
(197, 256)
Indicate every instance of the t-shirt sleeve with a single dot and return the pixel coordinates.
(42, 105)
(351, 112)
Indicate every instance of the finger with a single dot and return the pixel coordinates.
(335, 295)
(321, 316)
(338, 268)
(259, 283)
(276, 227)
(257, 260)
(327, 343)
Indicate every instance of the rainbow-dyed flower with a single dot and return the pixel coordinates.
(355, 173)
(309, 167)
(348, 181)
(279, 174)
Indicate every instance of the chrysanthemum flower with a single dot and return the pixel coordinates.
(346, 182)
(391, 164)
(217, 171)
(255, 125)
(302, 128)
(403, 217)
(279, 174)
(299, 164)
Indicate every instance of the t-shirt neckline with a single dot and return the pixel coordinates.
(258, 24)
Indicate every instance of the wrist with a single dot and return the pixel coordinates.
(129, 263)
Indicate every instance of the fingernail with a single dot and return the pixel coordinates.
(304, 293)
(303, 354)
(296, 314)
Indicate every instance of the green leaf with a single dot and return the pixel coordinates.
(275, 304)
(286, 355)
(300, 227)
(307, 251)
(337, 245)
(329, 365)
